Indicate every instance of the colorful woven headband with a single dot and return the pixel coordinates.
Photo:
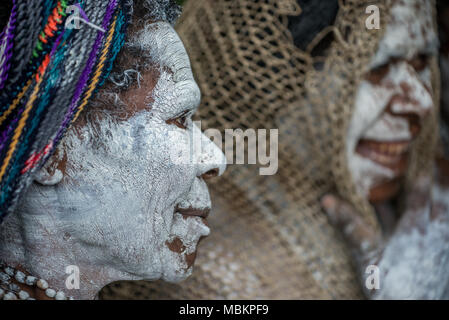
(49, 71)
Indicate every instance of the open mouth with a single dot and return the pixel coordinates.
(390, 154)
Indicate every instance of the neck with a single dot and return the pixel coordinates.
(36, 247)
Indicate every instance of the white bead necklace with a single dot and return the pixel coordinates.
(11, 291)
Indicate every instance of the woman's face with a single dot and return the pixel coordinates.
(392, 101)
(132, 194)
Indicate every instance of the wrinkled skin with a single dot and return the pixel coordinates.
(124, 198)
(412, 255)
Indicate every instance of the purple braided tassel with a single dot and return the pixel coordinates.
(7, 43)
(87, 70)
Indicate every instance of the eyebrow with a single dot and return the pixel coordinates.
(430, 48)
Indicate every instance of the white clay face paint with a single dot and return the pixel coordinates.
(410, 32)
(415, 263)
(161, 41)
(118, 197)
(369, 121)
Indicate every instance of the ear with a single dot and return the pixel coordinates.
(49, 174)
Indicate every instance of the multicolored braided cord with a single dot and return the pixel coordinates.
(49, 72)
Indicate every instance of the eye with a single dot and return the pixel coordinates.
(420, 62)
(376, 75)
(181, 120)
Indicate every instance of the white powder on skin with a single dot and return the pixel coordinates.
(415, 262)
(409, 33)
(369, 121)
(113, 213)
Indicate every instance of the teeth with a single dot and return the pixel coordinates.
(381, 158)
(390, 149)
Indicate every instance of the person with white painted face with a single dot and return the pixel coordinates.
(357, 121)
(410, 258)
(123, 197)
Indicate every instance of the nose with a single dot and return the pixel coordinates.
(414, 97)
(211, 161)
(211, 174)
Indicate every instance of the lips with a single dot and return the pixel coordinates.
(414, 122)
(193, 212)
(392, 155)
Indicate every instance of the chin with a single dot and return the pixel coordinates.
(175, 268)
(178, 276)
(385, 191)
(178, 258)
(177, 273)
(379, 169)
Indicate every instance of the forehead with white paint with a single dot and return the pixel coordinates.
(410, 32)
(162, 44)
(163, 48)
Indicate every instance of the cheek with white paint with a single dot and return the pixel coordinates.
(407, 36)
(124, 178)
(370, 121)
(121, 192)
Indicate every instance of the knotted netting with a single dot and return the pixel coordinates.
(270, 237)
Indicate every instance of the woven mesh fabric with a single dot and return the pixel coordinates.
(270, 238)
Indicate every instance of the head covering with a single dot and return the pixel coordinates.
(315, 16)
(49, 72)
(257, 67)
(50, 68)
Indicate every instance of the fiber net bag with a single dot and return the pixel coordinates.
(270, 238)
